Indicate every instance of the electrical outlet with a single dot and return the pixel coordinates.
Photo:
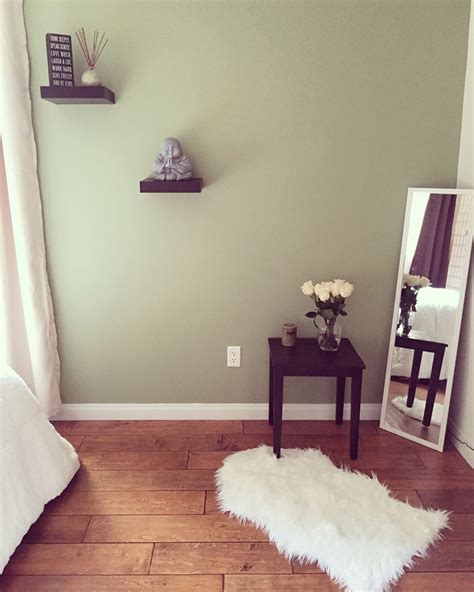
(233, 356)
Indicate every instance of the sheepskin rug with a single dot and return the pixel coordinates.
(315, 512)
(418, 409)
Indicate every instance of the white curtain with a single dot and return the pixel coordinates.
(28, 341)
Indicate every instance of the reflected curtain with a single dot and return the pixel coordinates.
(27, 330)
(431, 257)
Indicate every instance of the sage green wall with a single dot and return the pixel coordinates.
(308, 121)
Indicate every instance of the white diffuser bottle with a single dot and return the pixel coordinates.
(91, 78)
(92, 52)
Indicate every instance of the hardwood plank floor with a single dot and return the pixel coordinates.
(326, 443)
(436, 582)
(149, 442)
(218, 558)
(58, 529)
(170, 529)
(76, 441)
(86, 480)
(141, 514)
(212, 459)
(377, 460)
(148, 583)
(410, 497)
(279, 583)
(462, 528)
(428, 480)
(305, 568)
(211, 506)
(75, 503)
(451, 459)
(460, 501)
(450, 556)
(318, 427)
(64, 427)
(63, 559)
(136, 461)
(158, 428)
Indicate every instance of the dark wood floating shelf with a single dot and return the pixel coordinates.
(150, 185)
(77, 95)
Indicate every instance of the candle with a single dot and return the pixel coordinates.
(288, 335)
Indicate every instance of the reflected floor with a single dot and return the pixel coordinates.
(398, 420)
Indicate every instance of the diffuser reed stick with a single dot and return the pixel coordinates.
(98, 45)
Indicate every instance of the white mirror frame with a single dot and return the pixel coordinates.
(457, 328)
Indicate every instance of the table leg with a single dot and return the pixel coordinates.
(270, 393)
(415, 371)
(341, 386)
(277, 410)
(433, 387)
(356, 389)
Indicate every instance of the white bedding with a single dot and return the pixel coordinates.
(36, 464)
(434, 320)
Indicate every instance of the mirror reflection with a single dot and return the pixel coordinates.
(428, 309)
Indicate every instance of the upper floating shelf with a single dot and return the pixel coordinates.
(77, 95)
(151, 185)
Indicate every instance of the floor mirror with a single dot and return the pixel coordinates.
(427, 315)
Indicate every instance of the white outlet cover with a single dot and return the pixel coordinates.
(233, 356)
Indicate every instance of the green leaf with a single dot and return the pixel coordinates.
(311, 315)
(343, 313)
(327, 313)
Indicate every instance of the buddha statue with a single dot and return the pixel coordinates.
(171, 164)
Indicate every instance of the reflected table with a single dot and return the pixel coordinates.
(419, 346)
(306, 359)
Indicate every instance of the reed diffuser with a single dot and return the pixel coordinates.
(90, 76)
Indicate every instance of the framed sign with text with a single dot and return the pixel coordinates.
(60, 67)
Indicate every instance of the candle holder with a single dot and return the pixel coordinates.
(288, 335)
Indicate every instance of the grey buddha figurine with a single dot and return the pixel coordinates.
(171, 164)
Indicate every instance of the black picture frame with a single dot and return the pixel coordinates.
(60, 61)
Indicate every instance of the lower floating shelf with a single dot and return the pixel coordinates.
(77, 95)
(151, 185)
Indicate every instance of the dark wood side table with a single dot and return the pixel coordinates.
(306, 359)
(419, 346)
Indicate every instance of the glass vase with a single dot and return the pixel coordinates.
(405, 321)
(329, 336)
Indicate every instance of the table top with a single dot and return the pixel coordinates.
(415, 342)
(307, 357)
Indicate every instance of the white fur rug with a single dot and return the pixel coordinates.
(418, 409)
(313, 511)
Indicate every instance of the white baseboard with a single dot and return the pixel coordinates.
(463, 450)
(72, 411)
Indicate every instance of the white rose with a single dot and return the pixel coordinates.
(416, 281)
(336, 287)
(324, 294)
(307, 288)
(317, 288)
(346, 289)
(411, 280)
(424, 282)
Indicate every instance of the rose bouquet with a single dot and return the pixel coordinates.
(329, 301)
(408, 298)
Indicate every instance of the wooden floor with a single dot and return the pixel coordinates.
(409, 425)
(141, 512)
